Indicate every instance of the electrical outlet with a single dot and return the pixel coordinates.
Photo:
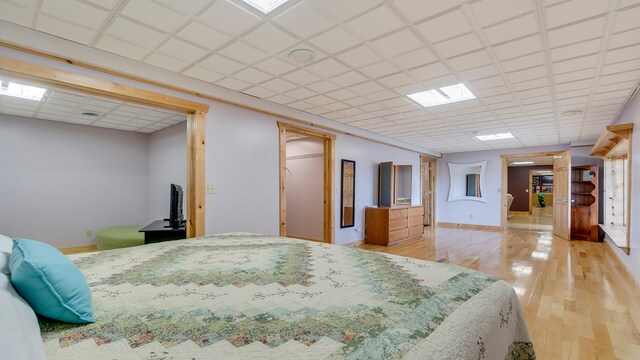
(88, 233)
(210, 189)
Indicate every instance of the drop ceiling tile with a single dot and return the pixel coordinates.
(380, 69)
(358, 57)
(342, 94)
(270, 39)
(301, 105)
(374, 23)
(526, 61)
(429, 71)
(479, 72)
(64, 29)
(303, 20)
(242, 52)
(519, 27)
(301, 77)
(278, 85)
(444, 27)
(358, 101)
(221, 64)
(75, 12)
(471, 60)
(441, 81)
(183, 50)
(530, 84)
(574, 10)
(624, 39)
(627, 19)
(575, 50)
(349, 78)
(234, 84)
(154, 15)
(119, 47)
(366, 88)
(229, 18)
(16, 14)
(201, 73)
(622, 54)
(134, 33)
(203, 35)
(336, 106)
(343, 10)
(518, 48)
(398, 43)
(252, 76)
(575, 85)
(628, 86)
(166, 62)
(396, 80)
(327, 68)
(415, 58)
(415, 10)
(275, 66)
(334, 40)
(487, 83)
(320, 100)
(187, 8)
(301, 93)
(579, 32)
(323, 86)
(459, 45)
(489, 12)
(574, 75)
(621, 67)
(617, 78)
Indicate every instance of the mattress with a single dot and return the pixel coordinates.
(249, 296)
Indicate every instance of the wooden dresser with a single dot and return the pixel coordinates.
(387, 226)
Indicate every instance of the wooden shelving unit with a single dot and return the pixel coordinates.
(584, 203)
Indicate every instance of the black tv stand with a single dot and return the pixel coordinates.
(161, 230)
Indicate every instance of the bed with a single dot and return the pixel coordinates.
(248, 296)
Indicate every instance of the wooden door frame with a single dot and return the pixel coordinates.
(505, 169)
(433, 162)
(329, 178)
(196, 122)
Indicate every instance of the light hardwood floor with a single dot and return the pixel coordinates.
(578, 299)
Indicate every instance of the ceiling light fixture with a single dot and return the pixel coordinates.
(302, 56)
(495, 137)
(522, 163)
(21, 91)
(266, 6)
(443, 95)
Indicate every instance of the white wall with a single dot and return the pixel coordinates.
(167, 165)
(305, 189)
(474, 212)
(631, 114)
(59, 180)
(242, 154)
(368, 155)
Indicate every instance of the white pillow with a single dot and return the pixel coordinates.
(6, 244)
(19, 330)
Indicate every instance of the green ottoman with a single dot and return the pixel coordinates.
(117, 237)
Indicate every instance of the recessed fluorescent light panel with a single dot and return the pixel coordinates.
(266, 6)
(21, 91)
(443, 95)
(495, 137)
(522, 163)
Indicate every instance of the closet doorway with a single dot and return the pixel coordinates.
(306, 183)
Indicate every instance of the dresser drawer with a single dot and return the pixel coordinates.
(416, 220)
(398, 235)
(397, 224)
(416, 230)
(416, 211)
(397, 214)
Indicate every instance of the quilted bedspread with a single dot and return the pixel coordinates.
(247, 296)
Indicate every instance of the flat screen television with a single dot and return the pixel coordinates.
(176, 216)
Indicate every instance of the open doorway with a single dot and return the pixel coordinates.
(530, 193)
(557, 192)
(306, 183)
